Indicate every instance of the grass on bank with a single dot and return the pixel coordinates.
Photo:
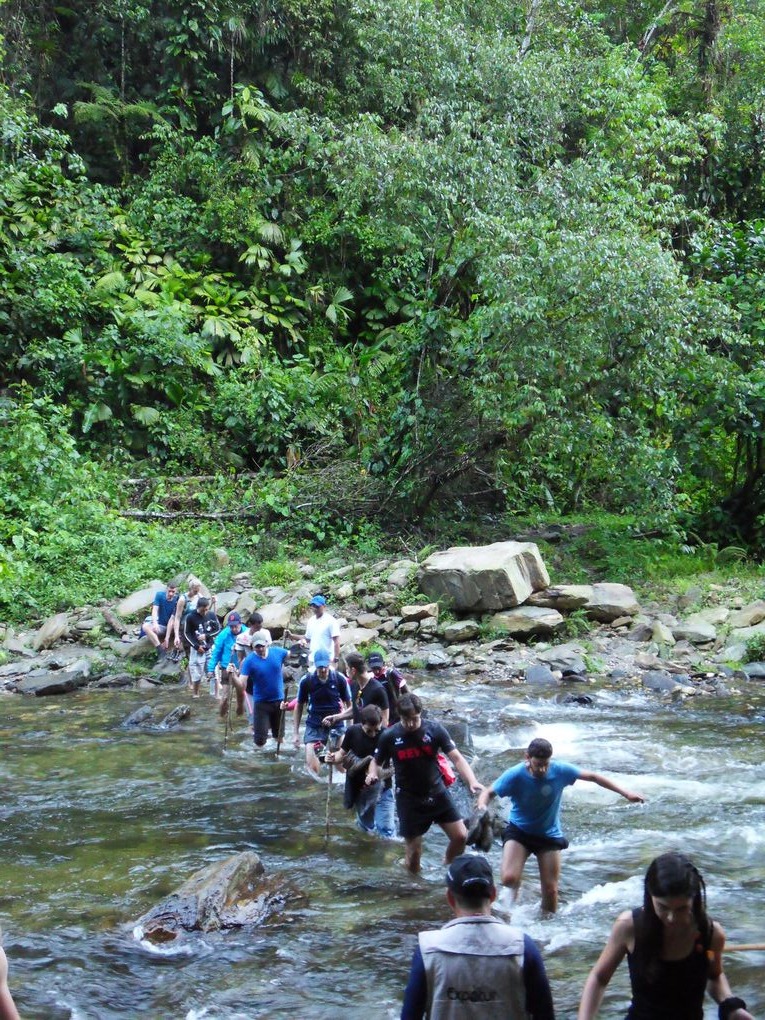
(87, 559)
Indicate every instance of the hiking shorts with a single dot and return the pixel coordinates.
(534, 844)
(417, 814)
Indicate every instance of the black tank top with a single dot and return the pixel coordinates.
(677, 991)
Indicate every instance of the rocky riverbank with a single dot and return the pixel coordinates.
(489, 612)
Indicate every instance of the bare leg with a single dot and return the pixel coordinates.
(150, 630)
(514, 857)
(413, 854)
(549, 874)
(311, 760)
(457, 834)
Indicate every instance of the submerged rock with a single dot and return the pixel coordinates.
(227, 894)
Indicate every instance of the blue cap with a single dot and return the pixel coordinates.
(234, 618)
(321, 658)
(318, 600)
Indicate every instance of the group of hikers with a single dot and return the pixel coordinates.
(398, 765)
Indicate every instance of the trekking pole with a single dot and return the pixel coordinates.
(228, 714)
(330, 747)
(283, 718)
(747, 947)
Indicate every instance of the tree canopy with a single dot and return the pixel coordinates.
(500, 254)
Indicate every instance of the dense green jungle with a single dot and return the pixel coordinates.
(293, 277)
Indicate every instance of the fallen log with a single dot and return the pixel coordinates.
(197, 515)
(114, 622)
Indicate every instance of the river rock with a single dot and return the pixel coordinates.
(246, 604)
(276, 617)
(662, 634)
(484, 578)
(344, 591)
(370, 621)
(352, 637)
(539, 675)
(526, 620)
(401, 573)
(742, 635)
(226, 600)
(754, 670)
(54, 628)
(659, 680)
(43, 682)
(140, 649)
(748, 616)
(172, 719)
(605, 601)
(113, 680)
(18, 644)
(435, 657)
(227, 894)
(695, 629)
(137, 718)
(568, 657)
(414, 614)
(641, 630)
(461, 630)
(140, 600)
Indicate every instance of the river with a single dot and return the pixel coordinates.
(98, 823)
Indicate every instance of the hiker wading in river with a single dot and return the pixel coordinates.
(421, 795)
(325, 691)
(536, 788)
(673, 949)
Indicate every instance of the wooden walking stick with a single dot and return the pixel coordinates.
(331, 745)
(228, 713)
(746, 947)
(283, 718)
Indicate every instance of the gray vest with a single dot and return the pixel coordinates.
(474, 970)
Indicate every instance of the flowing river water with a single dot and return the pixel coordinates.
(99, 823)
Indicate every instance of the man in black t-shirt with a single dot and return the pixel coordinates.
(365, 690)
(374, 804)
(393, 682)
(413, 745)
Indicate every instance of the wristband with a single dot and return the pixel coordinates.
(730, 1005)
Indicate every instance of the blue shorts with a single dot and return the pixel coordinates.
(321, 734)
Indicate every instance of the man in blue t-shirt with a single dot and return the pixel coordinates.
(160, 626)
(323, 691)
(261, 672)
(536, 787)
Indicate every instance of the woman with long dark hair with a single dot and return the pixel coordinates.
(673, 949)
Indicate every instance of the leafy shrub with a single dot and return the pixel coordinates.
(755, 649)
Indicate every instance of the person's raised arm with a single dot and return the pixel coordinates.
(608, 784)
(619, 941)
(465, 772)
(717, 985)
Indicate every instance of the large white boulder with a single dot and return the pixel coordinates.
(484, 578)
(139, 601)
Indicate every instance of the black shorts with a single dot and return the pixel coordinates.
(534, 844)
(267, 713)
(417, 814)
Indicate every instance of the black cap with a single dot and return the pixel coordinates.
(375, 660)
(470, 875)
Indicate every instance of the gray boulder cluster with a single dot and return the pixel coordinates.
(485, 610)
